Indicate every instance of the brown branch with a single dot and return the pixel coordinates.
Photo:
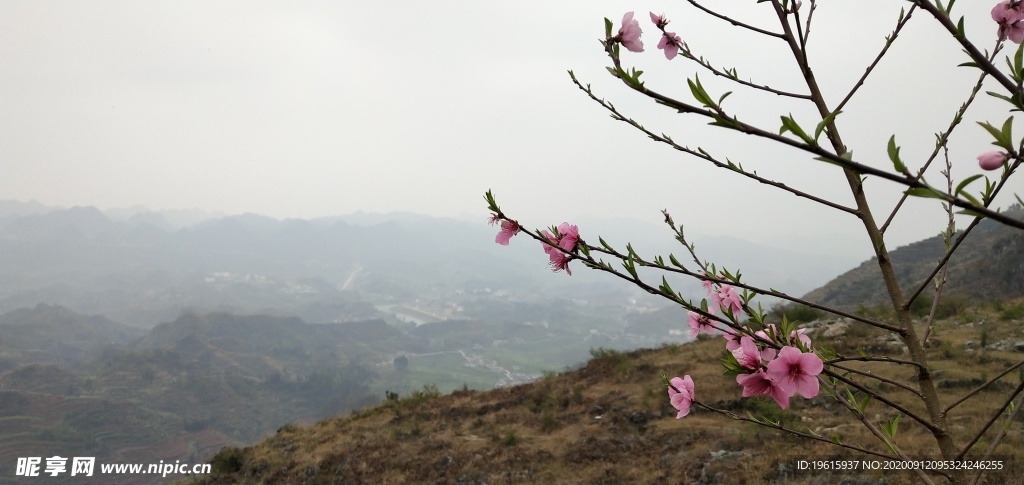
(867, 373)
(982, 62)
(1002, 433)
(735, 22)
(618, 116)
(982, 387)
(801, 434)
(995, 417)
(707, 65)
(888, 43)
(941, 142)
(882, 399)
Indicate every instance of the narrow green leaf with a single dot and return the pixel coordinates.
(894, 155)
(991, 129)
(698, 91)
(1018, 61)
(925, 192)
(824, 123)
(971, 198)
(789, 124)
(607, 28)
(968, 212)
(967, 181)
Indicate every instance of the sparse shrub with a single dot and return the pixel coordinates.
(228, 460)
(1012, 312)
(795, 312)
(548, 422)
(288, 428)
(577, 394)
(510, 438)
(612, 359)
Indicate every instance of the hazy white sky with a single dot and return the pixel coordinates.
(316, 108)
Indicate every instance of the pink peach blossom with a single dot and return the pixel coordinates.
(508, 229)
(670, 43)
(749, 356)
(728, 300)
(700, 323)
(560, 261)
(760, 384)
(659, 20)
(568, 235)
(680, 394)
(1009, 15)
(992, 160)
(732, 340)
(629, 33)
(796, 371)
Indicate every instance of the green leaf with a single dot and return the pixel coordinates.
(960, 28)
(607, 28)
(824, 123)
(894, 155)
(698, 91)
(1002, 136)
(630, 267)
(789, 124)
(926, 192)
(965, 183)
(971, 198)
(991, 129)
(1018, 62)
(726, 95)
(665, 286)
(722, 121)
(968, 212)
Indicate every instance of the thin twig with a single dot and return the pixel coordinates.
(867, 373)
(1002, 433)
(801, 434)
(982, 387)
(995, 417)
(882, 399)
(618, 116)
(735, 22)
(707, 65)
(888, 43)
(941, 142)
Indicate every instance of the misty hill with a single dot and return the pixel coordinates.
(989, 265)
(76, 384)
(142, 267)
(138, 272)
(54, 334)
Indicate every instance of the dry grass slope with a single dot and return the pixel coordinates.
(610, 422)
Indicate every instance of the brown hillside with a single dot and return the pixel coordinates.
(989, 265)
(610, 422)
